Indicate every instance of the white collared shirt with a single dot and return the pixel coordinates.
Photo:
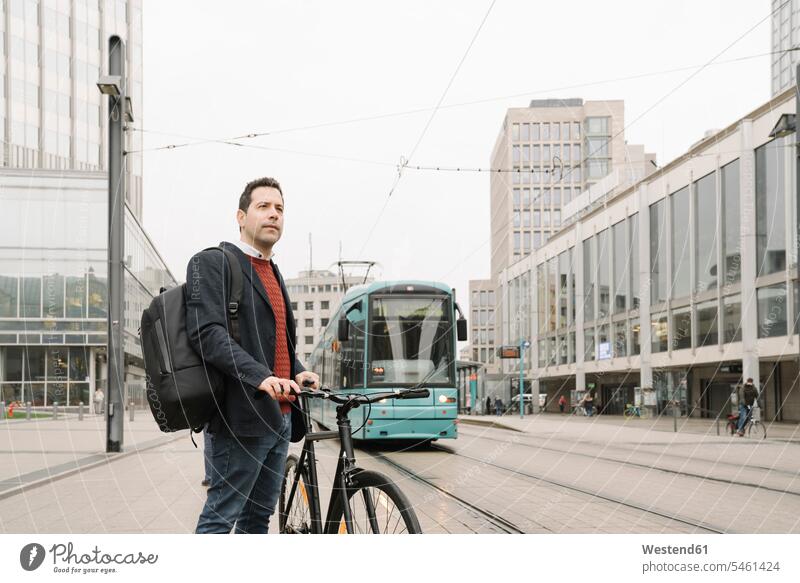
(248, 249)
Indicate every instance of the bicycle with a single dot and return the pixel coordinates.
(631, 411)
(362, 501)
(752, 426)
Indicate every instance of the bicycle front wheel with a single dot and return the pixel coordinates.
(377, 506)
(756, 430)
(296, 518)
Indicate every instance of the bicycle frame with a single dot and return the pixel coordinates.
(345, 468)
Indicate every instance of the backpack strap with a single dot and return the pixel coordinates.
(236, 292)
(235, 286)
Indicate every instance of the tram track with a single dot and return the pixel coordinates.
(658, 468)
(499, 522)
(542, 479)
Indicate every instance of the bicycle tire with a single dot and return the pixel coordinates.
(756, 430)
(391, 505)
(297, 519)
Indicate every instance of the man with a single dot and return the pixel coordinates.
(746, 397)
(256, 420)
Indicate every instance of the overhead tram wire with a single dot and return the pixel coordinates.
(202, 140)
(404, 160)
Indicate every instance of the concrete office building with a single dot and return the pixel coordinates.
(674, 288)
(53, 195)
(555, 149)
(316, 296)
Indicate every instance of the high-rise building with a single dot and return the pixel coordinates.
(52, 116)
(785, 36)
(315, 296)
(53, 196)
(557, 157)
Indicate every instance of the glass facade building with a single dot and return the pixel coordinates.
(52, 116)
(53, 287)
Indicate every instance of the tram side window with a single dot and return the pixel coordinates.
(353, 355)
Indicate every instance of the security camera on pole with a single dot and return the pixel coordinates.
(119, 112)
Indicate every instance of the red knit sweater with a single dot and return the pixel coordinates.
(282, 367)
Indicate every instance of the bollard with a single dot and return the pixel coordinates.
(55, 410)
(130, 408)
(28, 410)
(674, 419)
(80, 411)
(2, 410)
(717, 425)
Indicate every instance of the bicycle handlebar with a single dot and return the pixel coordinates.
(358, 398)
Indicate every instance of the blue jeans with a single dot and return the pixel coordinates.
(744, 411)
(245, 482)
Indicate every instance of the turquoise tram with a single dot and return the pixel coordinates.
(392, 335)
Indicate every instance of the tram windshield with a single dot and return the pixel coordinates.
(411, 341)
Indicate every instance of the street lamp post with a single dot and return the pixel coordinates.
(119, 110)
(523, 344)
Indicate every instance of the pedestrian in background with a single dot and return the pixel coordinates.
(498, 406)
(562, 403)
(488, 405)
(99, 397)
(588, 404)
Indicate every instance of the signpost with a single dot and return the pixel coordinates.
(518, 351)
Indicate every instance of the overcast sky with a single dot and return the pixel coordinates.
(225, 69)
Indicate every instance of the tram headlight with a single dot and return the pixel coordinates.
(446, 399)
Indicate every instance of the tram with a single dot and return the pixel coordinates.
(391, 335)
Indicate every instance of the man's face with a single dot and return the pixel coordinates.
(263, 221)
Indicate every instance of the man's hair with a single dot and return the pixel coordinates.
(246, 197)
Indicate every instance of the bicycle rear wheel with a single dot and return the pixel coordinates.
(297, 518)
(377, 506)
(756, 430)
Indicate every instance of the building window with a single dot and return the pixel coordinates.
(555, 133)
(545, 131)
(682, 328)
(294, 306)
(770, 217)
(525, 133)
(731, 250)
(309, 340)
(309, 305)
(658, 253)
(603, 282)
(633, 265)
(635, 345)
(309, 322)
(324, 321)
(620, 339)
(588, 280)
(681, 264)
(620, 260)
(535, 132)
(772, 308)
(660, 342)
(732, 318)
(707, 324)
(325, 304)
(588, 344)
(705, 230)
(515, 132)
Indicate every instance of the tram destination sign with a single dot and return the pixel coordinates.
(508, 352)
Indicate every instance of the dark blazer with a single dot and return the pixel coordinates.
(245, 411)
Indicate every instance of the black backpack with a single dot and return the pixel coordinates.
(182, 390)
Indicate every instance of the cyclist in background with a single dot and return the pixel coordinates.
(746, 396)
